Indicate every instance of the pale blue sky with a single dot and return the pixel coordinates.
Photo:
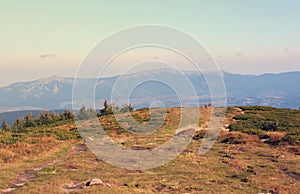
(40, 39)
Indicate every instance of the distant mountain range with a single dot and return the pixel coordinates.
(278, 90)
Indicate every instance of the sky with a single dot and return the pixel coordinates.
(45, 38)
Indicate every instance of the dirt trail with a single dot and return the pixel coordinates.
(31, 174)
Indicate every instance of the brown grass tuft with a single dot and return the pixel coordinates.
(25, 150)
(238, 138)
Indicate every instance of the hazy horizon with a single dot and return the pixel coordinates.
(51, 76)
(42, 39)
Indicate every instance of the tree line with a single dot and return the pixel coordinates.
(21, 124)
(111, 108)
(45, 118)
(108, 108)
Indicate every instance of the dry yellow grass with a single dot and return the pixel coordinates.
(237, 163)
(238, 138)
(21, 151)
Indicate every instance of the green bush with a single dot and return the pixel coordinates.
(257, 119)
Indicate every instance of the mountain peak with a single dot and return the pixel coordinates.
(52, 78)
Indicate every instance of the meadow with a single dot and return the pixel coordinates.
(257, 151)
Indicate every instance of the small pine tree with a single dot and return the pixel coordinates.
(83, 113)
(45, 118)
(106, 106)
(107, 109)
(49, 118)
(54, 116)
(20, 122)
(91, 113)
(5, 126)
(18, 125)
(68, 115)
(126, 108)
(29, 121)
(42, 118)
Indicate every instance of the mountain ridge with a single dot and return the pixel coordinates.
(57, 77)
(55, 92)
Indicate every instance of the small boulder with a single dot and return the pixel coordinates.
(94, 182)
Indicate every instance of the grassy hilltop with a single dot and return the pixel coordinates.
(257, 152)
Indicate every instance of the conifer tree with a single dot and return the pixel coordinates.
(68, 115)
(107, 109)
(29, 121)
(5, 126)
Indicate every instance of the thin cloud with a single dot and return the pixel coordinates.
(44, 56)
(286, 50)
(239, 54)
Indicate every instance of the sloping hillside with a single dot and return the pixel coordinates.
(52, 159)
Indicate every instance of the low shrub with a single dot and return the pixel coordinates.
(258, 120)
(238, 138)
